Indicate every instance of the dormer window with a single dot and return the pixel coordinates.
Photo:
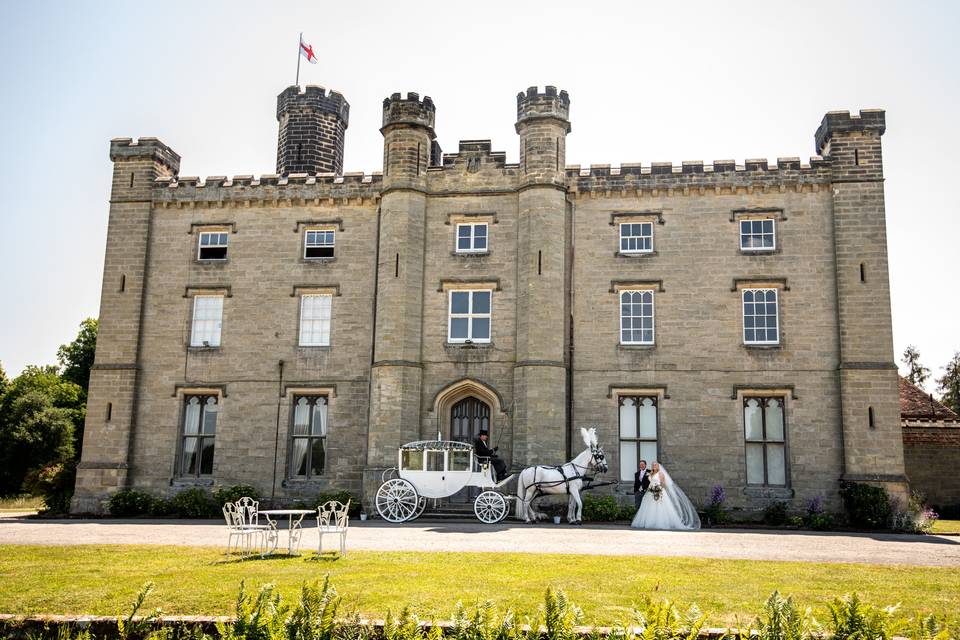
(213, 245)
(472, 237)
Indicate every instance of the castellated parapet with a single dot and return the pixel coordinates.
(411, 111)
(534, 104)
(313, 126)
(145, 147)
(841, 122)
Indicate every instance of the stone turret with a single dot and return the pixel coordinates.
(540, 376)
(543, 124)
(408, 139)
(111, 402)
(313, 125)
(872, 445)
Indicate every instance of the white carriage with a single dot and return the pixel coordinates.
(430, 469)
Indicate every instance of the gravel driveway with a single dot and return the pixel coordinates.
(455, 535)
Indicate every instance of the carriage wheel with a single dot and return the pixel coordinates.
(490, 507)
(397, 500)
(420, 507)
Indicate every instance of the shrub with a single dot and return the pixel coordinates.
(851, 619)
(224, 495)
(715, 512)
(866, 505)
(162, 507)
(128, 502)
(815, 517)
(604, 509)
(916, 518)
(54, 483)
(194, 503)
(783, 620)
(775, 514)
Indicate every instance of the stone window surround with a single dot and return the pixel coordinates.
(619, 286)
(617, 391)
(471, 217)
(653, 217)
(193, 291)
(194, 338)
(318, 227)
(201, 228)
(786, 394)
(300, 290)
(291, 390)
(291, 397)
(471, 287)
(473, 224)
(761, 282)
(776, 214)
(651, 289)
(181, 393)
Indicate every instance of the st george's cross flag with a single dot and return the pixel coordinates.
(306, 50)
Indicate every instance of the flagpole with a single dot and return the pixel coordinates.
(298, 58)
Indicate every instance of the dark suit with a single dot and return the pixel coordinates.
(641, 482)
(483, 450)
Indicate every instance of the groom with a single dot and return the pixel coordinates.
(641, 482)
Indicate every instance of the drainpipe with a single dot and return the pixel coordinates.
(276, 441)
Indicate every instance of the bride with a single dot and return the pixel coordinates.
(664, 505)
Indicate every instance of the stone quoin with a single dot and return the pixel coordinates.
(290, 331)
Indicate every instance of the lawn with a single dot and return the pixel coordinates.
(189, 580)
(946, 526)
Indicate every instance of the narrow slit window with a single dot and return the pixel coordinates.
(396, 267)
(123, 282)
(109, 411)
(856, 157)
(213, 245)
(870, 418)
(540, 263)
(863, 273)
(131, 179)
(319, 244)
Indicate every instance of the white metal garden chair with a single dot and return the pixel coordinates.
(333, 519)
(239, 532)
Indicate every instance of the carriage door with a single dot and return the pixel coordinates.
(467, 418)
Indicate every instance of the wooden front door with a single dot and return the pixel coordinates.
(467, 418)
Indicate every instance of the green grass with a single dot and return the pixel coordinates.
(21, 503)
(190, 580)
(946, 526)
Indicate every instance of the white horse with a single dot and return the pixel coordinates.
(567, 478)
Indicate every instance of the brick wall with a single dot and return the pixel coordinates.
(931, 455)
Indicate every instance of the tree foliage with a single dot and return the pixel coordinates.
(39, 416)
(917, 374)
(76, 358)
(948, 385)
(4, 381)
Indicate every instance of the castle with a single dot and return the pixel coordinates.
(291, 331)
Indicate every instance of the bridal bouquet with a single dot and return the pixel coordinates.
(657, 491)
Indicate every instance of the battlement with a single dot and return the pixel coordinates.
(839, 122)
(144, 147)
(753, 173)
(410, 110)
(268, 179)
(535, 104)
(474, 154)
(316, 98)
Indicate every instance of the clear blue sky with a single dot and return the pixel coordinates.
(648, 81)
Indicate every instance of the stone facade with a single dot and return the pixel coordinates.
(556, 360)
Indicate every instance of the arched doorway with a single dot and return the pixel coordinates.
(468, 417)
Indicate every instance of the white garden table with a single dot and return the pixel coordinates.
(294, 531)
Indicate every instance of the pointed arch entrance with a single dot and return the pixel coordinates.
(465, 407)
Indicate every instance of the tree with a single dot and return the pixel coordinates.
(76, 358)
(40, 415)
(948, 385)
(3, 380)
(917, 373)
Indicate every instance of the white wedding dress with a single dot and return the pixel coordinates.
(672, 511)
